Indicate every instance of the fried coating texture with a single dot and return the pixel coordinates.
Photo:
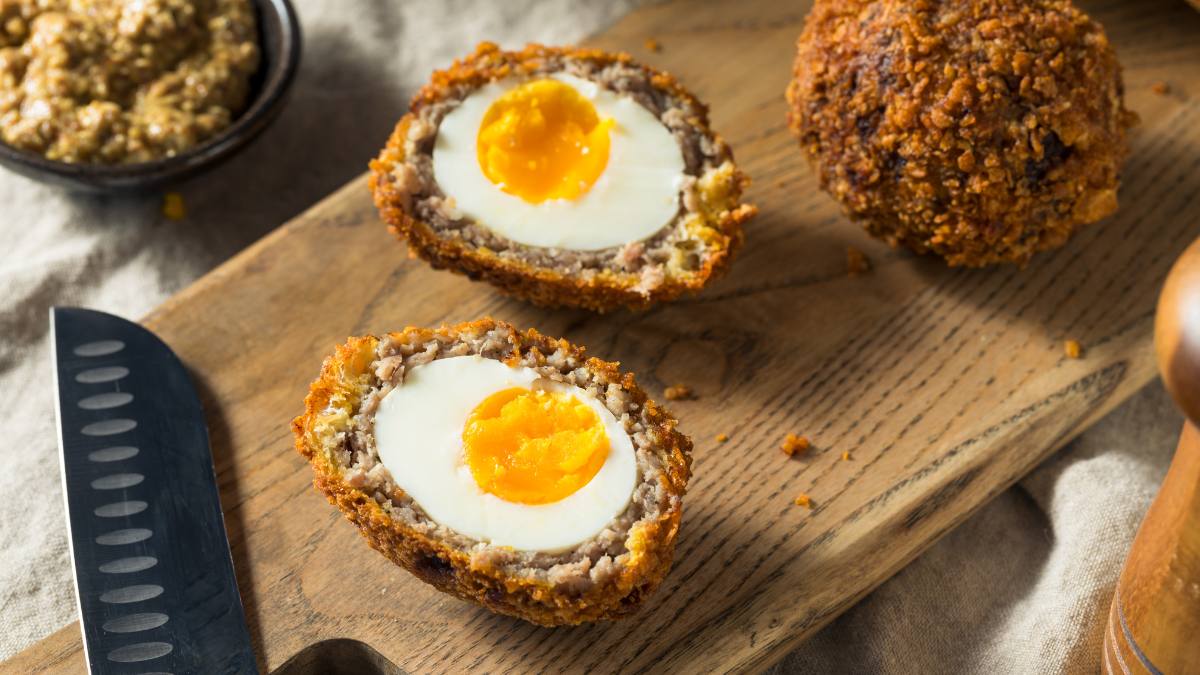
(696, 248)
(607, 578)
(981, 130)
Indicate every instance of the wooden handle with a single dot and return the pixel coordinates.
(1177, 332)
(1154, 621)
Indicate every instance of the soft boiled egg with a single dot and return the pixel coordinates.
(559, 162)
(502, 455)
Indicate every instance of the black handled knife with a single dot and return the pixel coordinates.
(153, 572)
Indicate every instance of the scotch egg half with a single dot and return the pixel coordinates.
(570, 177)
(500, 466)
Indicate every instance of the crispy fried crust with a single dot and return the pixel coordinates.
(981, 130)
(720, 226)
(335, 398)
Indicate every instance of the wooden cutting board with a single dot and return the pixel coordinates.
(944, 385)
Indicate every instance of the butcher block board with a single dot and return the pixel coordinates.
(944, 385)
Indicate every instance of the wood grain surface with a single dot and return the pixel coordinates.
(944, 385)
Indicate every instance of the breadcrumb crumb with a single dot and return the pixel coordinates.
(1160, 88)
(722, 437)
(173, 207)
(778, 183)
(804, 501)
(857, 262)
(1072, 349)
(653, 45)
(793, 444)
(846, 455)
(679, 391)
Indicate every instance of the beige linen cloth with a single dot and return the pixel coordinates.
(1021, 587)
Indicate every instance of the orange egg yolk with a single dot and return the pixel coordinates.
(533, 447)
(543, 140)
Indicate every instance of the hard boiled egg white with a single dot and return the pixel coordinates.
(419, 430)
(631, 196)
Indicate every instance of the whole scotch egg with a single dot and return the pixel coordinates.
(983, 131)
(570, 177)
(501, 467)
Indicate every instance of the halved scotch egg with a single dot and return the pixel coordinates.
(502, 467)
(570, 177)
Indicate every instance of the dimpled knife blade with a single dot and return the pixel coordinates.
(153, 573)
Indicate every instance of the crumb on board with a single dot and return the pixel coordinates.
(857, 262)
(778, 183)
(173, 206)
(846, 455)
(793, 444)
(1072, 349)
(722, 437)
(679, 391)
(653, 45)
(804, 501)
(1160, 87)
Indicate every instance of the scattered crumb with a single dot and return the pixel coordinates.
(653, 45)
(857, 262)
(778, 183)
(793, 444)
(1072, 349)
(804, 501)
(678, 391)
(722, 437)
(1160, 88)
(846, 455)
(173, 206)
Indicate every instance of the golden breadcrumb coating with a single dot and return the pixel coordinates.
(695, 248)
(606, 578)
(981, 130)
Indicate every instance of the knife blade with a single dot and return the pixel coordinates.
(154, 576)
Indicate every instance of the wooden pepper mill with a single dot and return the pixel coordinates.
(1154, 622)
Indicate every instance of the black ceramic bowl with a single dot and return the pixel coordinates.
(279, 37)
